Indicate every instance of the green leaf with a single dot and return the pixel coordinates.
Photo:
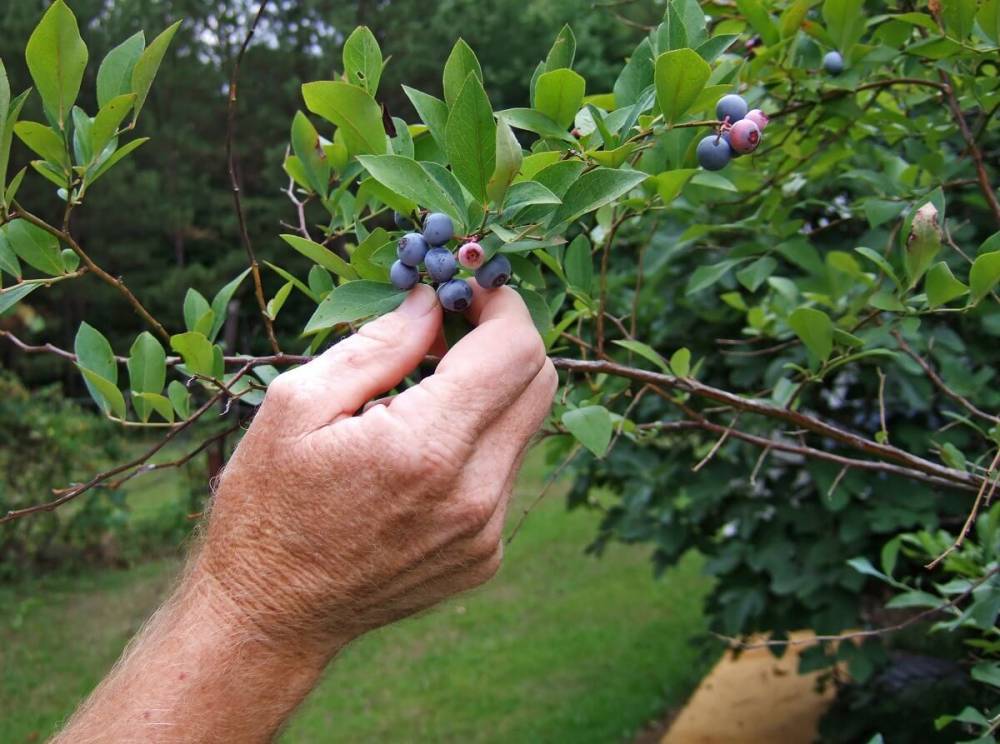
(988, 672)
(82, 124)
(148, 65)
(693, 18)
(711, 180)
(321, 255)
(180, 398)
(593, 190)
(107, 121)
(671, 34)
(535, 121)
(148, 402)
(953, 456)
(942, 286)
(353, 110)
(43, 141)
(758, 18)
(298, 283)
(471, 138)
(354, 301)
(539, 311)
(879, 212)
(984, 275)
(563, 50)
(680, 362)
(275, 304)
(114, 77)
(958, 17)
(680, 76)
(57, 57)
(646, 352)
(705, 276)
(845, 22)
(4, 97)
(432, 111)
(559, 95)
(36, 247)
(94, 354)
(220, 304)
(196, 310)
(508, 162)
(815, 329)
(669, 183)
(756, 273)
(988, 18)
(312, 157)
(410, 179)
(147, 371)
(196, 351)
(104, 392)
(457, 68)
(120, 154)
(320, 281)
(7, 134)
(591, 426)
(363, 59)
(877, 259)
(526, 193)
(579, 264)
(8, 259)
(710, 49)
(13, 295)
(923, 243)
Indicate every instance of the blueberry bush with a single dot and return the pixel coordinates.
(765, 262)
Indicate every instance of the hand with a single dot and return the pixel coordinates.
(327, 524)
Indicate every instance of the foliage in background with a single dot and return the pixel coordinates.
(789, 365)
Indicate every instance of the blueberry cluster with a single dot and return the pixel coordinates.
(440, 264)
(741, 132)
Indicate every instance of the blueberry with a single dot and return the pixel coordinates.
(732, 152)
(438, 229)
(731, 107)
(440, 264)
(833, 63)
(471, 255)
(758, 117)
(411, 249)
(402, 221)
(494, 273)
(714, 152)
(403, 276)
(455, 295)
(744, 136)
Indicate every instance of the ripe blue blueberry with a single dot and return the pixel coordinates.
(402, 221)
(411, 249)
(440, 264)
(403, 276)
(731, 107)
(455, 295)
(714, 152)
(833, 63)
(438, 229)
(494, 273)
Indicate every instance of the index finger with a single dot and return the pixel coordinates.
(484, 373)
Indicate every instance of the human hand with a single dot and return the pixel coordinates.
(328, 524)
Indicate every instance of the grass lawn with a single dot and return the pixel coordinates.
(558, 648)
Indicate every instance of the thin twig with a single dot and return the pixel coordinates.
(545, 489)
(715, 448)
(235, 181)
(972, 514)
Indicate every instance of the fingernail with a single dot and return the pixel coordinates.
(419, 302)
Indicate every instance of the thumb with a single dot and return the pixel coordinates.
(375, 359)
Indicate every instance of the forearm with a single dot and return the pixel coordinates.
(198, 672)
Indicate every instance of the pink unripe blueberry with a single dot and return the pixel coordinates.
(758, 117)
(744, 136)
(471, 255)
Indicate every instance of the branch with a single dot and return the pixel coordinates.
(834, 94)
(235, 181)
(972, 513)
(117, 283)
(72, 493)
(970, 141)
(940, 384)
(968, 481)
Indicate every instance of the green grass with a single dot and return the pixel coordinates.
(559, 647)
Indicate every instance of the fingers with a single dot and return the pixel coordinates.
(482, 375)
(372, 361)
